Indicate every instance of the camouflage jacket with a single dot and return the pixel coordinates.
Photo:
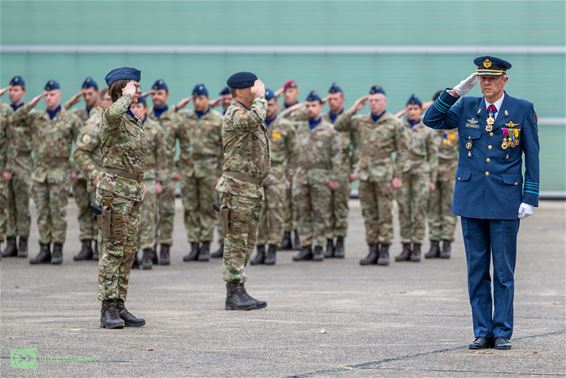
(422, 151)
(124, 144)
(447, 143)
(19, 133)
(284, 148)
(155, 159)
(320, 156)
(347, 165)
(170, 123)
(52, 141)
(246, 150)
(374, 143)
(88, 151)
(203, 139)
(83, 115)
(3, 135)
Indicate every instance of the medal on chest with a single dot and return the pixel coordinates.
(469, 145)
(489, 122)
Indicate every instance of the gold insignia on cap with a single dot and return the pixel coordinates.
(486, 63)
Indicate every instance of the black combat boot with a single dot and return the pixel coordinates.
(339, 251)
(434, 250)
(43, 257)
(329, 251)
(204, 252)
(416, 252)
(219, 253)
(57, 256)
(154, 258)
(193, 255)
(318, 254)
(129, 319)
(271, 257)
(286, 243)
(304, 255)
(238, 299)
(296, 240)
(23, 246)
(95, 251)
(147, 258)
(86, 251)
(136, 262)
(383, 258)
(164, 256)
(446, 249)
(371, 258)
(405, 254)
(109, 316)
(259, 257)
(11, 249)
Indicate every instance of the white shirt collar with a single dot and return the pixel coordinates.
(496, 103)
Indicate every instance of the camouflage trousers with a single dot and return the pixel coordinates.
(3, 209)
(441, 222)
(289, 209)
(376, 199)
(166, 205)
(314, 211)
(240, 233)
(18, 194)
(272, 217)
(84, 196)
(412, 200)
(51, 200)
(117, 254)
(148, 222)
(198, 195)
(339, 203)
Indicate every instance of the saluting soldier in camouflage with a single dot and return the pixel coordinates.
(170, 122)
(284, 152)
(3, 145)
(246, 165)
(119, 192)
(53, 131)
(377, 136)
(341, 195)
(155, 161)
(441, 221)
(17, 172)
(88, 231)
(200, 168)
(315, 179)
(418, 177)
(88, 160)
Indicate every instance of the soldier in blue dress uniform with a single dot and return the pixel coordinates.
(491, 194)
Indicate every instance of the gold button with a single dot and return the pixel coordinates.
(488, 160)
(487, 173)
(490, 146)
(490, 134)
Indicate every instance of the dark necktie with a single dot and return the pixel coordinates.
(492, 109)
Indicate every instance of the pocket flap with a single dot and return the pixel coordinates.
(463, 175)
(471, 134)
(512, 179)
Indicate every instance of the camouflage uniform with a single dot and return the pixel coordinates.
(374, 142)
(19, 163)
(417, 172)
(341, 195)
(246, 165)
(284, 151)
(319, 160)
(200, 167)
(441, 222)
(52, 142)
(3, 145)
(154, 165)
(83, 193)
(169, 122)
(88, 153)
(124, 145)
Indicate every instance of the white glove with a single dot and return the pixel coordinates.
(525, 211)
(466, 85)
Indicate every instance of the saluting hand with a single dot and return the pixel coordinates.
(258, 90)
(34, 101)
(214, 103)
(73, 100)
(181, 104)
(2, 91)
(130, 89)
(360, 103)
(465, 85)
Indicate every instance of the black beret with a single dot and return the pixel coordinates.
(51, 85)
(491, 66)
(89, 83)
(122, 73)
(241, 80)
(18, 80)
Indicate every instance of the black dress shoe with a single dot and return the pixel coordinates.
(481, 343)
(502, 343)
